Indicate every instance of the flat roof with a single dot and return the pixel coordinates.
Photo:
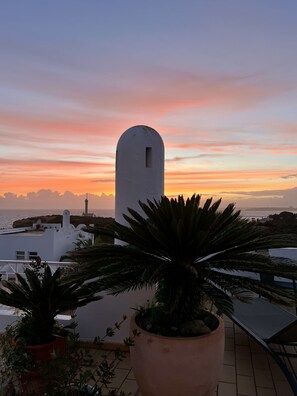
(21, 232)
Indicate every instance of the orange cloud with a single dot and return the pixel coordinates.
(216, 182)
(22, 176)
(72, 144)
(59, 124)
(230, 174)
(76, 184)
(207, 143)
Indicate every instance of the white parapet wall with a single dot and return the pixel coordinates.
(290, 253)
(9, 316)
(94, 318)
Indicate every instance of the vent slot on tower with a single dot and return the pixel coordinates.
(148, 157)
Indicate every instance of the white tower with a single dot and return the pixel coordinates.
(139, 169)
(139, 176)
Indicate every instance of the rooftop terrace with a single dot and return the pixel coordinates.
(248, 370)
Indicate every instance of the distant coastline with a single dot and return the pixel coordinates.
(263, 212)
(9, 216)
(270, 209)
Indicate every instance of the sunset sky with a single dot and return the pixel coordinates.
(217, 79)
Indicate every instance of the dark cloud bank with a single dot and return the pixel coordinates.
(266, 198)
(48, 199)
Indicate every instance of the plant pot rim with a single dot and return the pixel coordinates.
(37, 346)
(182, 339)
(52, 342)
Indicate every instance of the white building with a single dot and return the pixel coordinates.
(48, 241)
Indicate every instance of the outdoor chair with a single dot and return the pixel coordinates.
(274, 328)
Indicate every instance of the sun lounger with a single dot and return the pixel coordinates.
(274, 328)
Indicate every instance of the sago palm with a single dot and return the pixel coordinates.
(41, 298)
(191, 252)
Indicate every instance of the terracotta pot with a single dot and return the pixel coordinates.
(33, 382)
(177, 366)
(43, 352)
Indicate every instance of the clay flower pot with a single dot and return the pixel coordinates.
(42, 352)
(177, 366)
(33, 381)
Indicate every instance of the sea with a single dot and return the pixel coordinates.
(8, 216)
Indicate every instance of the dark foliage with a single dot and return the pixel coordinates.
(284, 222)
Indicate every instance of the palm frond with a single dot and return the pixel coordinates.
(251, 262)
(234, 284)
(41, 298)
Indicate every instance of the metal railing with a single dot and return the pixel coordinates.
(9, 268)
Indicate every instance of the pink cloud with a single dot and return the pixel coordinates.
(223, 146)
(153, 93)
(284, 129)
(150, 92)
(182, 181)
(45, 164)
(58, 125)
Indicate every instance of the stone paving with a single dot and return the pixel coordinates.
(248, 370)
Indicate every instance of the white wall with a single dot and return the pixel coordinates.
(49, 244)
(95, 318)
(290, 253)
(40, 242)
(64, 241)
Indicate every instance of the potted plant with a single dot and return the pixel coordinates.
(77, 372)
(191, 252)
(40, 296)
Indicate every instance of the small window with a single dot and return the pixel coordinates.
(20, 255)
(33, 255)
(148, 157)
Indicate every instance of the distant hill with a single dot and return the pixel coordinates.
(75, 220)
(284, 222)
(269, 208)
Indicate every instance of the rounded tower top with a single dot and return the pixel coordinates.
(139, 134)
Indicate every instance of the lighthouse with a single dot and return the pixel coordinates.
(86, 212)
(139, 169)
